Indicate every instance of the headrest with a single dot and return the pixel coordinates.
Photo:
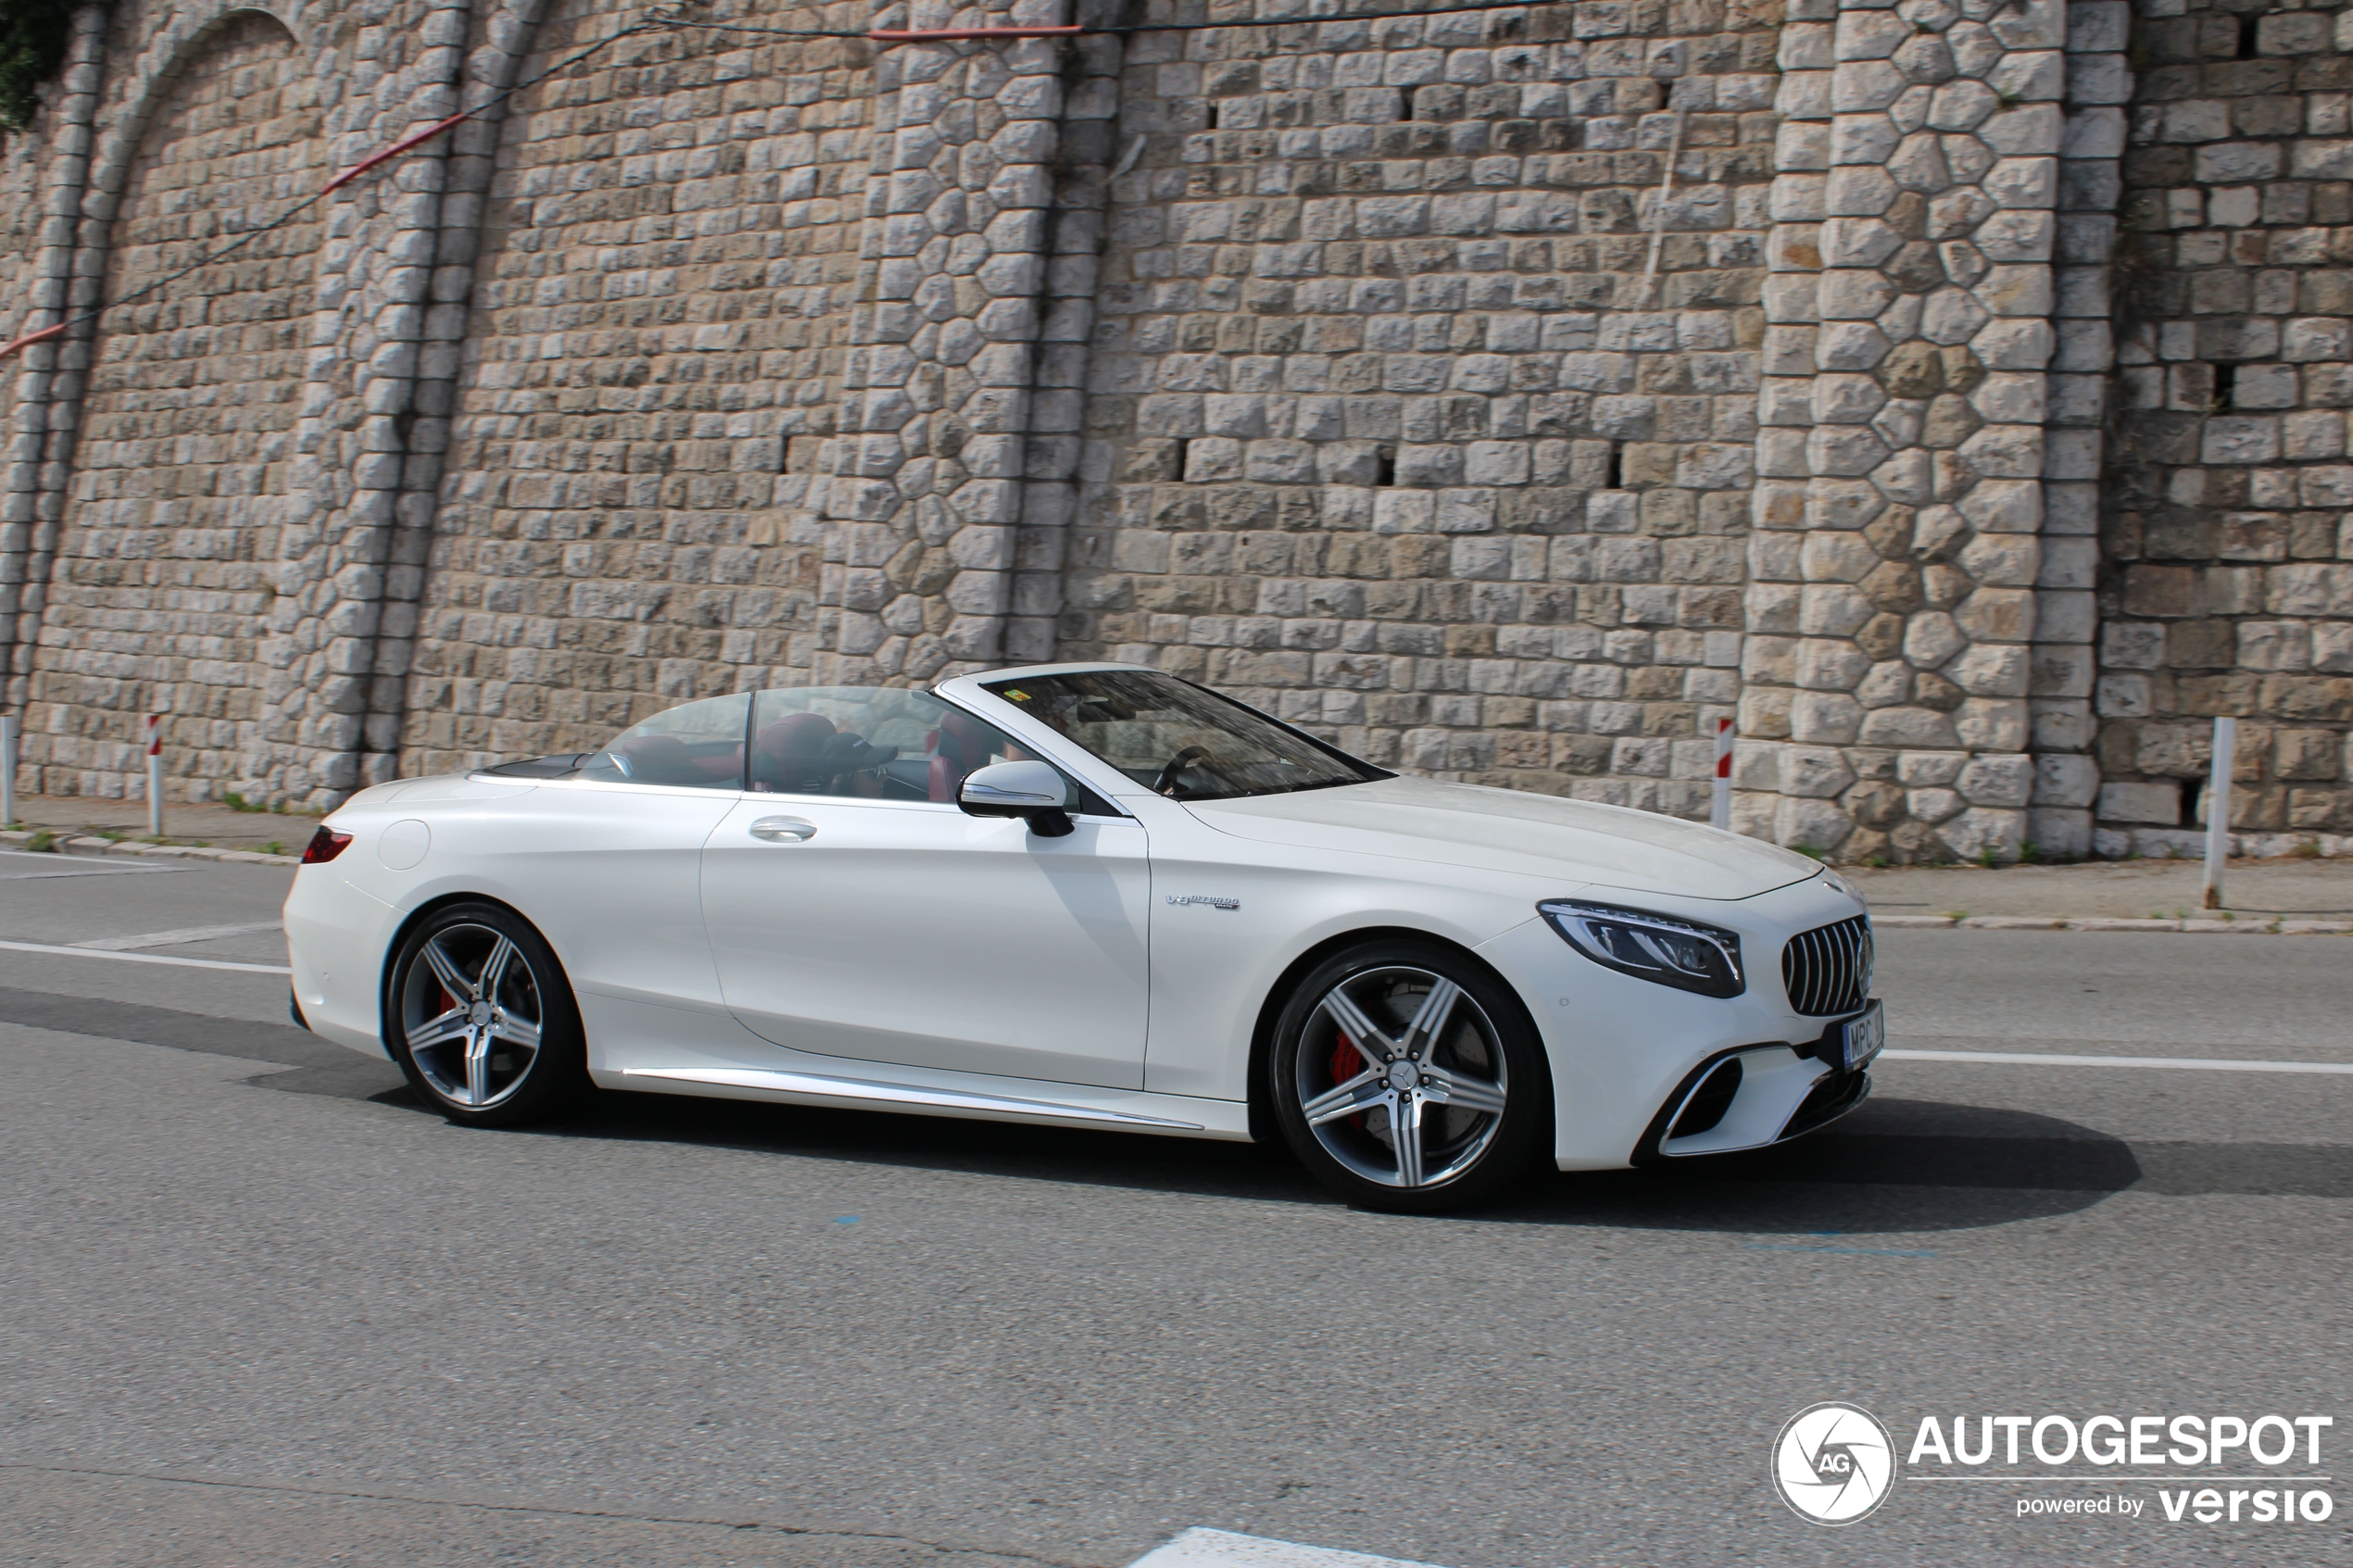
(793, 733)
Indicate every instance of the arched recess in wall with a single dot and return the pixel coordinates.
(161, 588)
(667, 252)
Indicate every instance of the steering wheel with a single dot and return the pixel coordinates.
(1176, 765)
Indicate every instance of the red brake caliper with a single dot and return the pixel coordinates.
(1347, 1064)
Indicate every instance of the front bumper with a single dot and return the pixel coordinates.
(1625, 1051)
(1751, 1097)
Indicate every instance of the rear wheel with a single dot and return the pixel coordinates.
(1407, 1077)
(481, 1019)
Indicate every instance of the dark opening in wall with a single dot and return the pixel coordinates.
(784, 454)
(2191, 790)
(1406, 110)
(1384, 465)
(1616, 478)
(2226, 386)
(1212, 115)
(2246, 37)
(1183, 444)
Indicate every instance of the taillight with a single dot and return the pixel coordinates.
(324, 845)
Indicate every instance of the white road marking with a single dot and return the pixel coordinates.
(174, 939)
(2194, 1063)
(143, 958)
(54, 866)
(1222, 1549)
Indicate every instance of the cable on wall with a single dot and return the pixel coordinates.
(657, 22)
(363, 166)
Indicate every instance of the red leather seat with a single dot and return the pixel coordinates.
(963, 745)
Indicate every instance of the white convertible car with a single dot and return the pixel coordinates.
(1087, 895)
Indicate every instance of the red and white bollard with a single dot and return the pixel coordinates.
(154, 775)
(1719, 805)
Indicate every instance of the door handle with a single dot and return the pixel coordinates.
(784, 830)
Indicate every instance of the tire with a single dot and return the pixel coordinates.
(485, 1056)
(1354, 1049)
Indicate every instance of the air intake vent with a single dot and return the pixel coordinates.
(1828, 970)
(1708, 1102)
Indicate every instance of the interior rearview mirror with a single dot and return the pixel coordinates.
(1017, 789)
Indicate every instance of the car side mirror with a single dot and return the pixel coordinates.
(1017, 789)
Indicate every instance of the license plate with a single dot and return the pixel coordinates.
(1860, 1038)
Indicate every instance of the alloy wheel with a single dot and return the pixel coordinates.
(472, 1013)
(1402, 1077)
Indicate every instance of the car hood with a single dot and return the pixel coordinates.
(1505, 830)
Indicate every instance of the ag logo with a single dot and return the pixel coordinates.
(1832, 1463)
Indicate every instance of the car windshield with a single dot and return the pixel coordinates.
(1182, 740)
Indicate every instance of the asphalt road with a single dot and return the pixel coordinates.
(258, 1307)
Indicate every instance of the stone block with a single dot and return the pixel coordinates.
(1992, 670)
(1998, 780)
(1825, 717)
(1813, 772)
(1818, 825)
(2059, 833)
(1983, 833)
(2232, 439)
(1991, 723)
(2157, 804)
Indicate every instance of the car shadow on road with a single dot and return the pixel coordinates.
(1896, 1166)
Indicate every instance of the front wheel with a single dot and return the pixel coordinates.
(1407, 1077)
(481, 1019)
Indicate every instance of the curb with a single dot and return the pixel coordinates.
(2277, 927)
(81, 846)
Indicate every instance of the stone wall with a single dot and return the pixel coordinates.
(162, 584)
(1420, 412)
(1921, 501)
(650, 368)
(1506, 394)
(2229, 584)
(947, 496)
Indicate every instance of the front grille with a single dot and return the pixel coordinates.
(1827, 971)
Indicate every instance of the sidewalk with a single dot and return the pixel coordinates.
(210, 825)
(2294, 897)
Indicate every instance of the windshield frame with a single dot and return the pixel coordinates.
(983, 683)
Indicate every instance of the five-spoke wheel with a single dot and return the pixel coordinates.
(1407, 1077)
(482, 1020)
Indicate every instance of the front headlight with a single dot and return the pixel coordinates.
(1681, 953)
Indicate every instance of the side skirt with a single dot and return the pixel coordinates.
(1217, 1119)
(701, 1049)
